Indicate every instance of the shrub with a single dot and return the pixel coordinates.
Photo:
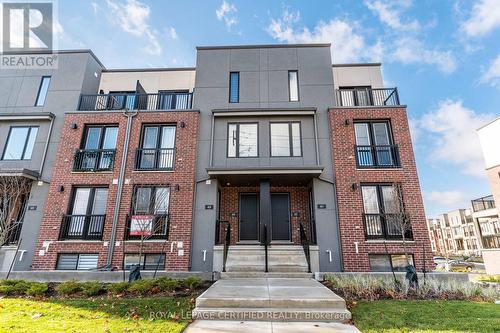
(69, 288)
(118, 288)
(191, 282)
(14, 287)
(92, 288)
(166, 284)
(489, 278)
(143, 286)
(37, 289)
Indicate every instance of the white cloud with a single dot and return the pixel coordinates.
(172, 33)
(492, 74)
(389, 13)
(347, 44)
(95, 6)
(410, 50)
(452, 138)
(484, 17)
(447, 199)
(227, 13)
(132, 16)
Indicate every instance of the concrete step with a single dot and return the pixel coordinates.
(262, 274)
(273, 314)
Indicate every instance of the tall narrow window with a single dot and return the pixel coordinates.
(374, 145)
(98, 149)
(42, 91)
(149, 212)
(293, 86)
(242, 140)
(286, 139)
(20, 143)
(158, 148)
(234, 87)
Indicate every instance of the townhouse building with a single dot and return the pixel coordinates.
(260, 158)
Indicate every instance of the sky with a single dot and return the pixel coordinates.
(443, 55)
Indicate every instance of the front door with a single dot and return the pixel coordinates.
(249, 217)
(280, 214)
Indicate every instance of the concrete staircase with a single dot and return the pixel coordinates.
(281, 259)
(270, 299)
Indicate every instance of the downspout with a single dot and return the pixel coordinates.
(46, 148)
(316, 138)
(112, 240)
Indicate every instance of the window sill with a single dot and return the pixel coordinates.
(393, 241)
(153, 171)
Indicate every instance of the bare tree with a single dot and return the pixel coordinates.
(13, 190)
(150, 215)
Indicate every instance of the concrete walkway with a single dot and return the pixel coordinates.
(270, 305)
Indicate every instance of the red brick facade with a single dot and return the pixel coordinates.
(181, 182)
(350, 202)
(298, 204)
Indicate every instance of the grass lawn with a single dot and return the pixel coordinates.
(426, 316)
(107, 315)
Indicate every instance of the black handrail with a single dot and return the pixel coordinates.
(305, 245)
(218, 224)
(133, 101)
(266, 243)
(155, 159)
(384, 226)
(367, 97)
(378, 156)
(94, 160)
(87, 227)
(227, 242)
(14, 233)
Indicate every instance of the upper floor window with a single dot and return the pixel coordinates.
(97, 152)
(242, 140)
(42, 91)
(174, 99)
(20, 143)
(122, 99)
(286, 139)
(157, 148)
(234, 87)
(374, 146)
(356, 96)
(293, 86)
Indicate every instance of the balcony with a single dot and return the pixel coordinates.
(14, 233)
(377, 156)
(384, 226)
(147, 227)
(367, 97)
(83, 227)
(155, 159)
(483, 203)
(144, 102)
(94, 160)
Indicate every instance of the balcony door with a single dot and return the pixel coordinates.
(374, 144)
(98, 147)
(87, 212)
(158, 146)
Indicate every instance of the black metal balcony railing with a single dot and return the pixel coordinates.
(159, 101)
(384, 226)
(377, 156)
(483, 203)
(367, 97)
(94, 160)
(14, 233)
(86, 227)
(147, 227)
(155, 159)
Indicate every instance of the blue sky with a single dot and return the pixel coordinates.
(444, 57)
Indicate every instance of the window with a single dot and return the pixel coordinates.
(98, 149)
(293, 86)
(374, 145)
(234, 87)
(286, 139)
(149, 261)
(356, 96)
(86, 214)
(149, 217)
(20, 143)
(157, 148)
(242, 140)
(382, 262)
(77, 261)
(122, 99)
(174, 99)
(42, 91)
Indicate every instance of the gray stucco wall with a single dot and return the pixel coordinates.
(264, 85)
(76, 73)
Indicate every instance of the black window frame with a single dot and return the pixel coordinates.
(355, 95)
(290, 87)
(40, 90)
(143, 267)
(24, 146)
(370, 123)
(103, 128)
(152, 203)
(238, 139)
(290, 138)
(158, 139)
(77, 261)
(90, 203)
(230, 85)
(394, 151)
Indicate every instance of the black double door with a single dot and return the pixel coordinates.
(249, 217)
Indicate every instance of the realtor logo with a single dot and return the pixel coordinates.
(27, 27)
